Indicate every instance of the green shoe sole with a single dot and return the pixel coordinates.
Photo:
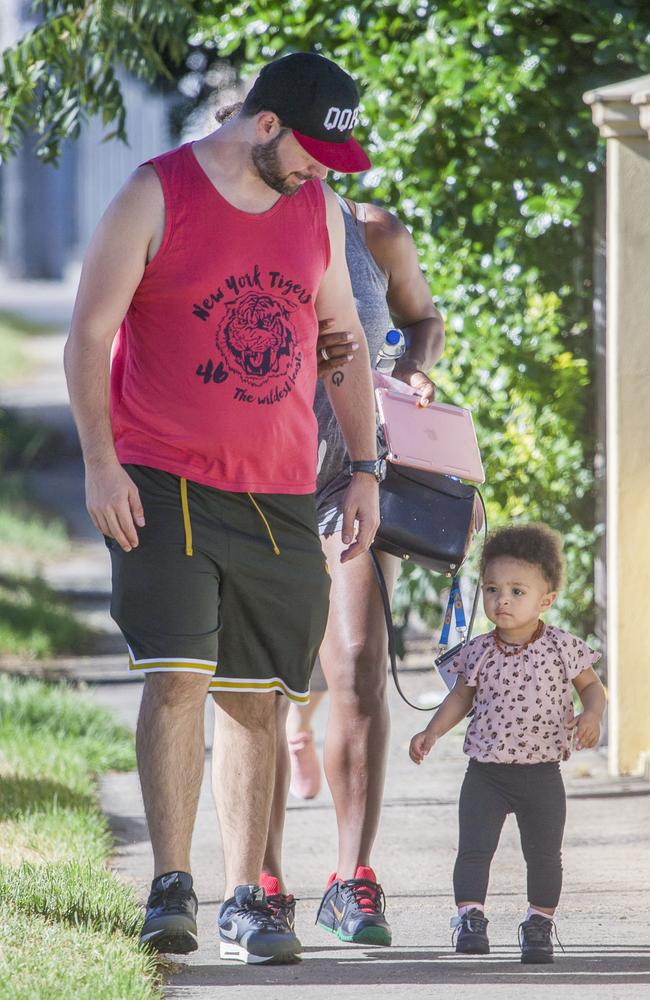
(368, 935)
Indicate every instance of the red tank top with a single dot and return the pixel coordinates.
(214, 371)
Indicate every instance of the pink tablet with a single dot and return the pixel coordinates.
(437, 437)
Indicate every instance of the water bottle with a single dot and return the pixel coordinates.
(390, 352)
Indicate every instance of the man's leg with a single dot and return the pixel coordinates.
(170, 750)
(243, 773)
(243, 769)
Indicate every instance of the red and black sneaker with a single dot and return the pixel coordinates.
(354, 909)
(281, 903)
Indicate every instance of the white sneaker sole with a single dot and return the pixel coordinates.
(229, 951)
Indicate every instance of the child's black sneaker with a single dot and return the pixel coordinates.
(250, 931)
(170, 919)
(535, 940)
(470, 933)
(354, 909)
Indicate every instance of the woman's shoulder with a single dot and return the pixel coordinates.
(386, 235)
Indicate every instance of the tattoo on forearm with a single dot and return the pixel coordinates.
(337, 378)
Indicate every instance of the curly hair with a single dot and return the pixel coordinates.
(536, 544)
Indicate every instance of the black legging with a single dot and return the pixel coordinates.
(535, 794)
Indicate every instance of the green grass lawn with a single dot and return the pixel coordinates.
(35, 621)
(69, 927)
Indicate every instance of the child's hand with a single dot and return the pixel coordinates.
(420, 746)
(587, 726)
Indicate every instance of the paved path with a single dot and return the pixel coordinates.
(604, 918)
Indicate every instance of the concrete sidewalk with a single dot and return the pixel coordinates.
(604, 918)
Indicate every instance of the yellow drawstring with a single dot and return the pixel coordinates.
(266, 523)
(186, 519)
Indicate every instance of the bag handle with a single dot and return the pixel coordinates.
(390, 627)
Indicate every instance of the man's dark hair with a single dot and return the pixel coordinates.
(536, 544)
(228, 111)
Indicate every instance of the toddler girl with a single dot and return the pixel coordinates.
(518, 679)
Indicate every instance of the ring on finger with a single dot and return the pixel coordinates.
(324, 354)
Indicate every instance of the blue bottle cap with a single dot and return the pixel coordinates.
(393, 337)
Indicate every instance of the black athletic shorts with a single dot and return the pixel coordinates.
(233, 585)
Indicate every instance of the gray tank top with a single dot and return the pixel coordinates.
(369, 286)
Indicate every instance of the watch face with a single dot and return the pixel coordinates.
(381, 469)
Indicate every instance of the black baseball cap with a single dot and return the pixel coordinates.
(319, 102)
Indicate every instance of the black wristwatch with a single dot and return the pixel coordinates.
(376, 468)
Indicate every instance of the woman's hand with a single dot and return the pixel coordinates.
(420, 746)
(334, 348)
(407, 372)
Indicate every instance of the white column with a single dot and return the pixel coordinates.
(620, 113)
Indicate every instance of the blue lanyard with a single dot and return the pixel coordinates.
(454, 607)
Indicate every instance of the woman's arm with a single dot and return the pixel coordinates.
(409, 299)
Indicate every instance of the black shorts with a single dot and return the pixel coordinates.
(225, 584)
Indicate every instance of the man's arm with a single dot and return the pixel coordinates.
(129, 231)
(350, 389)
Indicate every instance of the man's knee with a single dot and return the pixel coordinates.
(257, 713)
(184, 691)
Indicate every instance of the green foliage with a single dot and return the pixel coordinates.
(473, 115)
(65, 68)
(475, 122)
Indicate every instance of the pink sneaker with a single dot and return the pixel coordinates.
(305, 766)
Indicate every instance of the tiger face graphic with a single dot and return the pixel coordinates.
(257, 337)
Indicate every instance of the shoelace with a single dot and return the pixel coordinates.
(474, 924)
(169, 899)
(368, 895)
(281, 901)
(256, 913)
(538, 932)
(282, 907)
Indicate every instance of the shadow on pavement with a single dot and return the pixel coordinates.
(599, 965)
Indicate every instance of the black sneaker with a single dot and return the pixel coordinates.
(170, 920)
(535, 940)
(250, 932)
(470, 933)
(354, 909)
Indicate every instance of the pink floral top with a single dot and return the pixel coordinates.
(523, 702)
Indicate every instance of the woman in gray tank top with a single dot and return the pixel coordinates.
(389, 288)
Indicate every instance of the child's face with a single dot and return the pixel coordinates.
(515, 593)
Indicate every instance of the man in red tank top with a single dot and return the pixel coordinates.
(216, 262)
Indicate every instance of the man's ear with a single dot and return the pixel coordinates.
(548, 599)
(267, 125)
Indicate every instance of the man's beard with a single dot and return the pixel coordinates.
(267, 162)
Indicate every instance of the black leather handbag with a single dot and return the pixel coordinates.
(426, 517)
(429, 519)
